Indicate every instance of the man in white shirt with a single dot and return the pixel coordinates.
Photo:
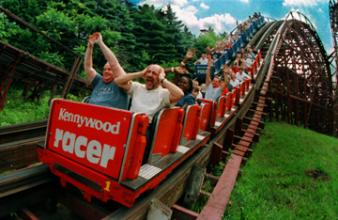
(234, 81)
(155, 94)
(242, 75)
(203, 60)
(149, 98)
(214, 89)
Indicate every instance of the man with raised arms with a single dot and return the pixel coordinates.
(105, 91)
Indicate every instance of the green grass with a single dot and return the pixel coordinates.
(17, 110)
(275, 183)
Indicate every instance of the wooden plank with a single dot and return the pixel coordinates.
(181, 213)
(214, 209)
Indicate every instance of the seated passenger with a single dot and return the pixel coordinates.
(242, 75)
(237, 62)
(155, 94)
(250, 57)
(105, 91)
(185, 83)
(226, 72)
(213, 90)
(151, 97)
(196, 92)
(203, 60)
(234, 81)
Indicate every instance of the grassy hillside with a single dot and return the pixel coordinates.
(292, 174)
(18, 110)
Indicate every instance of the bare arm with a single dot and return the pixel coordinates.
(181, 69)
(109, 55)
(88, 61)
(207, 77)
(175, 92)
(124, 81)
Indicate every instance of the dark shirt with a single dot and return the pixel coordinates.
(188, 99)
(108, 94)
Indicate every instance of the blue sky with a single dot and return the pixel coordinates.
(223, 14)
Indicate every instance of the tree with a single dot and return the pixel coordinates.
(207, 39)
(138, 35)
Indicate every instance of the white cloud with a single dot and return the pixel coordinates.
(162, 3)
(244, 1)
(187, 14)
(218, 21)
(304, 3)
(204, 6)
(156, 3)
(180, 3)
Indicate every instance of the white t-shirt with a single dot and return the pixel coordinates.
(148, 101)
(241, 76)
(249, 61)
(199, 95)
(203, 61)
(234, 83)
(213, 93)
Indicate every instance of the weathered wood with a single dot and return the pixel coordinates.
(181, 213)
(71, 77)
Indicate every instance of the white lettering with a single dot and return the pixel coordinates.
(108, 154)
(89, 122)
(77, 118)
(68, 142)
(97, 124)
(81, 122)
(116, 128)
(61, 114)
(107, 127)
(58, 137)
(80, 141)
(92, 150)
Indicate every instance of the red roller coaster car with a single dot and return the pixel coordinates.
(100, 150)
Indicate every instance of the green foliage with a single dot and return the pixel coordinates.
(218, 169)
(5, 31)
(53, 58)
(139, 36)
(205, 40)
(276, 184)
(18, 110)
(170, 76)
(56, 22)
(199, 204)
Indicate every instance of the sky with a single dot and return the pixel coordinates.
(223, 14)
